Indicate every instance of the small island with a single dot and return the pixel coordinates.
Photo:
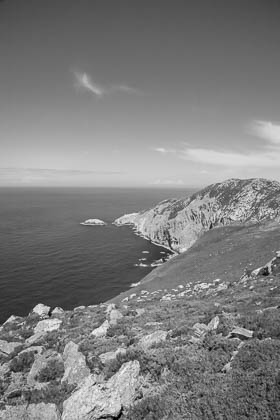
(93, 222)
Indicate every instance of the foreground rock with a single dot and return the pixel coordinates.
(95, 401)
(8, 348)
(75, 366)
(151, 339)
(31, 412)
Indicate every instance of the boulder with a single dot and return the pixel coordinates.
(7, 348)
(47, 325)
(35, 338)
(140, 311)
(4, 369)
(57, 311)
(114, 316)
(75, 367)
(95, 401)
(241, 333)
(102, 330)
(109, 308)
(155, 338)
(213, 324)
(41, 310)
(14, 319)
(40, 411)
(16, 386)
(111, 355)
(40, 363)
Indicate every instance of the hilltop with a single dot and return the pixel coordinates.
(198, 338)
(178, 223)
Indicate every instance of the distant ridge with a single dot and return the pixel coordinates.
(178, 223)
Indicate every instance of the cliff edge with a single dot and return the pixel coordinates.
(178, 223)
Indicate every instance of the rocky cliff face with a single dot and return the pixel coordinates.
(178, 223)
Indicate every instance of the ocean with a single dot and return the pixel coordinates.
(47, 256)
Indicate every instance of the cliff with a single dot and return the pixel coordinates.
(178, 223)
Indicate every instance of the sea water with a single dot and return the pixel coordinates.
(47, 256)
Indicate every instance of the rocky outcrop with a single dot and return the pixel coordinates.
(31, 412)
(75, 366)
(96, 401)
(177, 224)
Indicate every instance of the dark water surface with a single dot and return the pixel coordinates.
(47, 256)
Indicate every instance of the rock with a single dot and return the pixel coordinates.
(75, 366)
(109, 308)
(111, 355)
(4, 369)
(102, 330)
(47, 325)
(213, 324)
(41, 310)
(155, 338)
(79, 308)
(12, 319)
(115, 316)
(34, 349)
(95, 401)
(40, 363)
(200, 329)
(35, 338)
(93, 222)
(57, 311)
(241, 333)
(40, 411)
(16, 386)
(8, 348)
(140, 311)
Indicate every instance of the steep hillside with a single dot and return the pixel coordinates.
(177, 224)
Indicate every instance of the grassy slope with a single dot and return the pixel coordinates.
(220, 253)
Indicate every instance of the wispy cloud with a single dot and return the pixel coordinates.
(267, 155)
(84, 81)
(267, 131)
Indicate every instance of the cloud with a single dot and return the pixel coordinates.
(222, 158)
(268, 155)
(266, 130)
(163, 150)
(84, 81)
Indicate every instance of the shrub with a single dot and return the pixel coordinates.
(22, 362)
(54, 370)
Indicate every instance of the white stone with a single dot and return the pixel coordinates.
(102, 330)
(47, 325)
(39, 411)
(8, 347)
(149, 340)
(41, 309)
(76, 369)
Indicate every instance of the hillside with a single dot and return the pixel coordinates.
(178, 223)
(197, 339)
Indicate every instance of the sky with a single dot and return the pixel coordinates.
(146, 93)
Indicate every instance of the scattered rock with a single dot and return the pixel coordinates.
(8, 348)
(57, 311)
(140, 311)
(13, 318)
(102, 330)
(16, 386)
(114, 316)
(41, 310)
(41, 362)
(40, 411)
(35, 338)
(149, 340)
(111, 355)
(213, 324)
(109, 308)
(96, 401)
(241, 333)
(4, 369)
(47, 325)
(75, 366)
(79, 308)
